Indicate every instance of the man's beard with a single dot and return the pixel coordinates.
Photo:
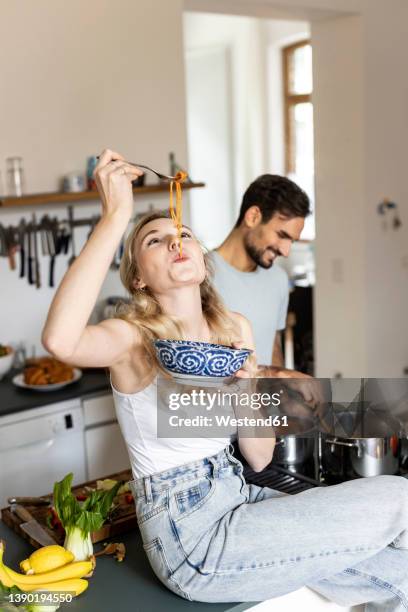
(257, 254)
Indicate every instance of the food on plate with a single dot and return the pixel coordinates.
(177, 212)
(46, 559)
(47, 371)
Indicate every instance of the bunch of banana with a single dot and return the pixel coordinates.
(66, 577)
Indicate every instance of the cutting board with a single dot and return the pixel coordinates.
(123, 517)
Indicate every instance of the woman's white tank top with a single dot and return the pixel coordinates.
(148, 454)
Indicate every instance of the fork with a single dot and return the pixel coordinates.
(164, 177)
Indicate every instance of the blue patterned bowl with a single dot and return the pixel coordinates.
(200, 358)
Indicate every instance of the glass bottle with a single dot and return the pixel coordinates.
(15, 176)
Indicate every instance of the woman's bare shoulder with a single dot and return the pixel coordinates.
(244, 328)
(239, 320)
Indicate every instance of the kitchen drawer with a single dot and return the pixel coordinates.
(106, 451)
(99, 409)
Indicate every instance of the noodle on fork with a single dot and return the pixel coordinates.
(177, 212)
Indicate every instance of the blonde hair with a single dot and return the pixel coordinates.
(145, 311)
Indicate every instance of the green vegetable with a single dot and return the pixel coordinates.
(7, 606)
(80, 519)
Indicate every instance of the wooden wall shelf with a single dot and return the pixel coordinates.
(38, 199)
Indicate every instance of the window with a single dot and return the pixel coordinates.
(297, 78)
(298, 109)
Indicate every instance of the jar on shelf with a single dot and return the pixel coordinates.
(15, 176)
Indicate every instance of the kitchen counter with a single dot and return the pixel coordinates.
(131, 586)
(127, 586)
(14, 399)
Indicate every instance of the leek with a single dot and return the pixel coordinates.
(80, 519)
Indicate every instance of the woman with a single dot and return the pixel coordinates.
(207, 534)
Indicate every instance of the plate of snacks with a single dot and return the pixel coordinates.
(46, 374)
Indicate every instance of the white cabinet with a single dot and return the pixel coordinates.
(40, 446)
(106, 452)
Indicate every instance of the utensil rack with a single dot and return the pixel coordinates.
(57, 236)
(87, 221)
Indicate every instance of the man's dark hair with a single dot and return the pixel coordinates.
(275, 194)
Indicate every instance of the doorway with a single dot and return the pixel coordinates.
(237, 124)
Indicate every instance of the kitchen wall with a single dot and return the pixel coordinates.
(362, 272)
(75, 78)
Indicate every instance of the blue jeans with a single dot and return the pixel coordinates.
(209, 536)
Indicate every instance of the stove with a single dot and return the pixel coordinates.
(294, 479)
(280, 479)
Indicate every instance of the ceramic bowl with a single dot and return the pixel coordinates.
(200, 358)
(5, 363)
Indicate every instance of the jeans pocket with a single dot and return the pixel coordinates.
(160, 565)
(192, 497)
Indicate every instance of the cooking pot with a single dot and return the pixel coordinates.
(372, 446)
(295, 442)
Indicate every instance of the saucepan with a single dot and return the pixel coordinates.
(295, 442)
(369, 445)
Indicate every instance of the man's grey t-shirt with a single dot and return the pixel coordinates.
(261, 296)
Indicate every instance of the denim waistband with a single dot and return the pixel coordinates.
(146, 485)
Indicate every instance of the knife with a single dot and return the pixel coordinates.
(36, 260)
(22, 239)
(32, 527)
(30, 255)
(29, 501)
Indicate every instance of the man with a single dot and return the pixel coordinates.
(271, 218)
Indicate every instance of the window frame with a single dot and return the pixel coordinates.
(289, 102)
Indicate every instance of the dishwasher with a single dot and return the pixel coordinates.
(40, 446)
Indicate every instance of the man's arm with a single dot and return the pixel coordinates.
(277, 354)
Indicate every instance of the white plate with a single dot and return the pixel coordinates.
(18, 380)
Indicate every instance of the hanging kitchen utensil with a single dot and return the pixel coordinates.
(3, 241)
(12, 246)
(30, 269)
(36, 259)
(71, 227)
(51, 247)
(22, 239)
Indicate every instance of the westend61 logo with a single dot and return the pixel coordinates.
(209, 400)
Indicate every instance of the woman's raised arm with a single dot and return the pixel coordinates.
(65, 334)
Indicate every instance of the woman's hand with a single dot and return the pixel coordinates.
(249, 369)
(113, 177)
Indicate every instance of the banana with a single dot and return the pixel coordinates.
(5, 579)
(75, 585)
(8, 577)
(46, 559)
(77, 569)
